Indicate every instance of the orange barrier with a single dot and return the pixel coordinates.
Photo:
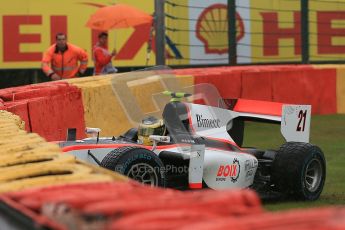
(52, 116)
(118, 205)
(295, 84)
(132, 199)
(257, 85)
(315, 86)
(227, 83)
(47, 109)
(331, 218)
(315, 219)
(50, 108)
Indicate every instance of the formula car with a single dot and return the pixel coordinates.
(200, 146)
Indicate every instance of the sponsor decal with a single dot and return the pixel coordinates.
(212, 26)
(231, 171)
(250, 168)
(207, 122)
(250, 164)
(249, 174)
(188, 141)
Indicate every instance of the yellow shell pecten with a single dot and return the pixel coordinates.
(212, 28)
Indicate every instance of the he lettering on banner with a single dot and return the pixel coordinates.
(273, 33)
(13, 38)
(328, 35)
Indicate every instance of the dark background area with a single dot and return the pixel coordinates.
(18, 77)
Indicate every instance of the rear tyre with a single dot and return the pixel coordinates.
(299, 170)
(138, 164)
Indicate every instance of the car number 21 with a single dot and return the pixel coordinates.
(302, 115)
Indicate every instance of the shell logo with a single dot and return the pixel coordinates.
(212, 27)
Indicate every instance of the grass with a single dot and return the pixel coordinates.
(327, 132)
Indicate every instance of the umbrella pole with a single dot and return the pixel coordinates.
(149, 45)
(115, 43)
(115, 40)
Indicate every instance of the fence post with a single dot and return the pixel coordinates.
(305, 31)
(160, 32)
(232, 48)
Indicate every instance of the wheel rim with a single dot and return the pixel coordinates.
(313, 175)
(144, 173)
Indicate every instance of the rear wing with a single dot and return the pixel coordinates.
(294, 119)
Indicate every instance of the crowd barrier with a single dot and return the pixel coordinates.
(49, 109)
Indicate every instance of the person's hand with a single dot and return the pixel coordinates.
(55, 77)
(114, 52)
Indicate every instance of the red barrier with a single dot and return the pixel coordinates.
(47, 109)
(120, 205)
(295, 84)
(257, 85)
(331, 218)
(227, 83)
(314, 219)
(127, 200)
(316, 87)
(2, 105)
(136, 197)
(51, 116)
(32, 91)
(16, 211)
(242, 203)
(76, 194)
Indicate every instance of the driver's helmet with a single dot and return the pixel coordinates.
(150, 126)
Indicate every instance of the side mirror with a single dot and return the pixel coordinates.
(157, 139)
(93, 131)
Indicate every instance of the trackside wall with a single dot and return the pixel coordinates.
(50, 108)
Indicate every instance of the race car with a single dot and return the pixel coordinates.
(200, 146)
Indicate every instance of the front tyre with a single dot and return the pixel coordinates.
(136, 163)
(299, 170)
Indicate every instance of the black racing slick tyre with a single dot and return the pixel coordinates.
(299, 170)
(138, 164)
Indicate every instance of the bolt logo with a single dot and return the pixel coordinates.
(212, 27)
(232, 171)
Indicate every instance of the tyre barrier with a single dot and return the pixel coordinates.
(27, 160)
(129, 200)
(307, 219)
(120, 205)
(11, 122)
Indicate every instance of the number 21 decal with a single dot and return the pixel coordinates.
(302, 117)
